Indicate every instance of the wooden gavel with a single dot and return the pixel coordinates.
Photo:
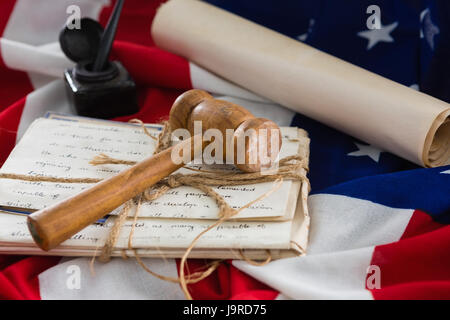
(57, 223)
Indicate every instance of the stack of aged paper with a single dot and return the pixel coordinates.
(63, 146)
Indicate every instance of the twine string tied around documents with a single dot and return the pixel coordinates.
(288, 168)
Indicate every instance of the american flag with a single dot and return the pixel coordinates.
(379, 224)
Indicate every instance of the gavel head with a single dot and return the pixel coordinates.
(254, 142)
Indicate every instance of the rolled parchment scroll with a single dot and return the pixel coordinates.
(386, 114)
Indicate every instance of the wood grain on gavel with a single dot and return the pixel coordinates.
(57, 223)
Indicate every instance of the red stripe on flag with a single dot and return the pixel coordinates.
(19, 276)
(426, 290)
(418, 265)
(154, 105)
(227, 282)
(420, 223)
(153, 66)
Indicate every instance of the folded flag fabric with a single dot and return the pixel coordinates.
(379, 224)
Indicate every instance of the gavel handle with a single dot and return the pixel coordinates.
(55, 224)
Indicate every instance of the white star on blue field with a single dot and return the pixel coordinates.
(378, 35)
(366, 150)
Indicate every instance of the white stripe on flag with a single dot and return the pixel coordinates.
(225, 90)
(28, 58)
(343, 223)
(339, 275)
(117, 279)
(205, 80)
(39, 80)
(344, 231)
(272, 111)
(51, 97)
